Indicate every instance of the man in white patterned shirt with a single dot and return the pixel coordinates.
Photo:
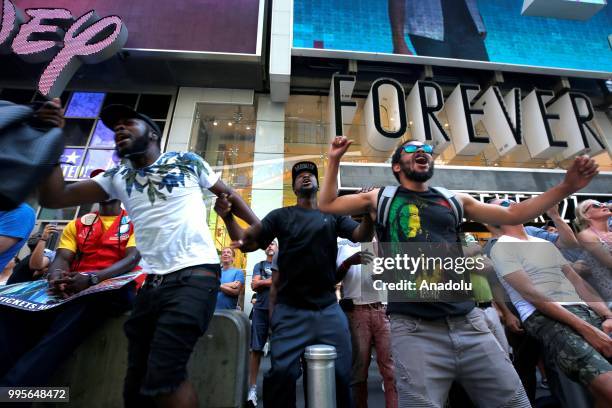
(162, 193)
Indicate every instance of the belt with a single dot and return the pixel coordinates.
(483, 305)
(375, 305)
(155, 280)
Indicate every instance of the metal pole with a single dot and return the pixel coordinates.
(321, 381)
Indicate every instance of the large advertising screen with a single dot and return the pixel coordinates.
(441, 31)
(213, 26)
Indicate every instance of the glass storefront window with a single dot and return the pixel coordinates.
(84, 105)
(98, 159)
(224, 135)
(102, 136)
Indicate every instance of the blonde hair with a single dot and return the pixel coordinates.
(581, 221)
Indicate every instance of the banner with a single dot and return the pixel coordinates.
(33, 296)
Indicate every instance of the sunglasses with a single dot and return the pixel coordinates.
(506, 203)
(413, 148)
(595, 205)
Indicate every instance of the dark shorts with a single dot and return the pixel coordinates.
(260, 328)
(167, 321)
(569, 350)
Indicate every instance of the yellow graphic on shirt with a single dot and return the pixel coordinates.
(410, 220)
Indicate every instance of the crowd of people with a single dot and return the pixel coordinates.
(541, 295)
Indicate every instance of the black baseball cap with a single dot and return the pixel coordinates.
(301, 167)
(114, 113)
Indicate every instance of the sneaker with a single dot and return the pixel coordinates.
(252, 397)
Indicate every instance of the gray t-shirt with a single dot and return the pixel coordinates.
(542, 261)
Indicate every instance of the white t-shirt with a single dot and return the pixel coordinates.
(542, 261)
(166, 205)
(356, 285)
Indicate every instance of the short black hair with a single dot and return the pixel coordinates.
(397, 155)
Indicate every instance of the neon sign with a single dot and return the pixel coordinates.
(56, 36)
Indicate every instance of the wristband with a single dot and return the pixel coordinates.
(43, 240)
(607, 317)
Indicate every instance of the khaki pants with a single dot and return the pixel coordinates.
(430, 354)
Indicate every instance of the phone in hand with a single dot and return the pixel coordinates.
(51, 243)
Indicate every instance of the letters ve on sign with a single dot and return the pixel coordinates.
(54, 35)
(545, 124)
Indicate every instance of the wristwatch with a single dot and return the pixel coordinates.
(93, 279)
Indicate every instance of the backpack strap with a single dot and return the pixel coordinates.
(456, 205)
(385, 196)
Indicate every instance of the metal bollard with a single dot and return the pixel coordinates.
(321, 373)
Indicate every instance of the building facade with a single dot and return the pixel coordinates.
(253, 86)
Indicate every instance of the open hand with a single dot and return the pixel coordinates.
(580, 174)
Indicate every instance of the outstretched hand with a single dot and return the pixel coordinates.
(338, 147)
(580, 173)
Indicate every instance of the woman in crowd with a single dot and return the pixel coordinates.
(595, 236)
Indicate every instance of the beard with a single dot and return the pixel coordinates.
(139, 146)
(307, 191)
(418, 176)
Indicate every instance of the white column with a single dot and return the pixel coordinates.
(281, 38)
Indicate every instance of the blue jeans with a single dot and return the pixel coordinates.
(293, 330)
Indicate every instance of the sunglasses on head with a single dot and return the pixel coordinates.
(413, 148)
(595, 205)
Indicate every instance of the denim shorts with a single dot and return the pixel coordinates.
(260, 327)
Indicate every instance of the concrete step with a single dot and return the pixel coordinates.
(218, 367)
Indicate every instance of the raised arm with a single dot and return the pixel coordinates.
(578, 176)
(353, 204)
(55, 193)
(238, 206)
(38, 260)
(245, 240)
(566, 239)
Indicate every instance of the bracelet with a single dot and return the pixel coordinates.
(43, 240)
(607, 317)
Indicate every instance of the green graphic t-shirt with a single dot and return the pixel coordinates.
(426, 222)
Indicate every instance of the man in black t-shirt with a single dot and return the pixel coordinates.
(305, 311)
(436, 342)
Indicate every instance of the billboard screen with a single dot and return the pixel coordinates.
(228, 26)
(492, 31)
